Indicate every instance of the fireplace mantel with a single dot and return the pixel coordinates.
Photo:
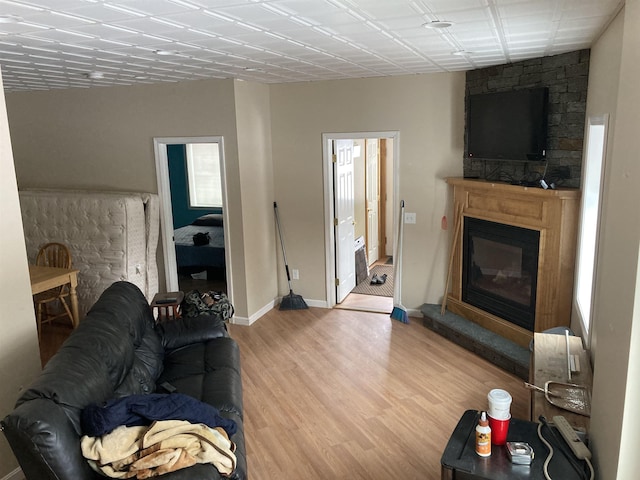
(554, 213)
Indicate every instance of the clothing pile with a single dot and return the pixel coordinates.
(144, 436)
(211, 303)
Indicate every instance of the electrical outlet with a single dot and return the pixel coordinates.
(409, 218)
(295, 274)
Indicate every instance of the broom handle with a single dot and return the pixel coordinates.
(284, 256)
(397, 259)
(534, 387)
(456, 234)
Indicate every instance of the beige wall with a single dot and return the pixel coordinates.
(103, 138)
(19, 354)
(615, 423)
(256, 171)
(428, 112)
(602, 97)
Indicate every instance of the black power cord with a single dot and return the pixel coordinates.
(560, 443)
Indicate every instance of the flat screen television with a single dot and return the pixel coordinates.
(508, 126)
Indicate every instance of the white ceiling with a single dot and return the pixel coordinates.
(57, 43)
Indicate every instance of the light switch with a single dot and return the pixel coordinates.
(409, 217)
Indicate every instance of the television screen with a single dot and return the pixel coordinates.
(508, 125)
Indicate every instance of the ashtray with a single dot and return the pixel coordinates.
(520, 453)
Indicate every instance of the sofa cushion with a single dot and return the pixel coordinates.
(97, 358)
(208, 371)
(89, 366)
(146, 366)
(189, 330)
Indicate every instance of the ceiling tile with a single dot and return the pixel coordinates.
(56, 41)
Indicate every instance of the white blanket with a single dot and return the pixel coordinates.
(165, 446)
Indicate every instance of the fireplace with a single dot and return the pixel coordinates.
(500, 270)
(513, 256)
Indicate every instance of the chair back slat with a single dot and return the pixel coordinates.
(57, 255)
(54, 255)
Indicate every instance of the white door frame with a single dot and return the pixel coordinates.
(166, 215)
(327, 170)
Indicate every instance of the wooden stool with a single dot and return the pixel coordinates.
(168, 305)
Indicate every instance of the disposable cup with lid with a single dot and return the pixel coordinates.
(499, 404)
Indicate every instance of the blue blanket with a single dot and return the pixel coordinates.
(145, 409)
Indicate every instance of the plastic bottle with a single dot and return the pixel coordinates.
(483, 436)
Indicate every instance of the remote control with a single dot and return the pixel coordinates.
(164, 301)
(578, 448)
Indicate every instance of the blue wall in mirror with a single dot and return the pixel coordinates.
(182, 213)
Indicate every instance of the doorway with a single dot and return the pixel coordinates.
(192, 190)
(360, 180)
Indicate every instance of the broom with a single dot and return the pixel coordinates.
(399, 312)
(291, 301)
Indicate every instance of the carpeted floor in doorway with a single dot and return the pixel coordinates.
(381, 290)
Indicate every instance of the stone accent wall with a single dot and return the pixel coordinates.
(566, 76)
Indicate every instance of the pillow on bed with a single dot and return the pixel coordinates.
(209, 220)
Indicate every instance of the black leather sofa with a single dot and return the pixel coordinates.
(116, 351)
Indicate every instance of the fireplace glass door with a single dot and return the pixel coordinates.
(500, 270)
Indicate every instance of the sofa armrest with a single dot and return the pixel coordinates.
(45, 442)
(189, 330)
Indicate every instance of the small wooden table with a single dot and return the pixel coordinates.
(46, 278)
(168, 305)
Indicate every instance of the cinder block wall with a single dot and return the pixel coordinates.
(566, 76)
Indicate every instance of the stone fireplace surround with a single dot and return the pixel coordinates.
(566, 75)
(554, 214)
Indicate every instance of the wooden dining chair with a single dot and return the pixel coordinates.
(53, 255)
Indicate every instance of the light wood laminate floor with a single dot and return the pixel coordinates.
(354, 395)
(345, 394)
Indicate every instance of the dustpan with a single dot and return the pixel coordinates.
(568, 396)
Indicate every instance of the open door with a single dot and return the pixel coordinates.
(373, 200)
(345, 218)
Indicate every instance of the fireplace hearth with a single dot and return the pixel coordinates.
(513, 262)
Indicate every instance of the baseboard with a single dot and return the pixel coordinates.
(247, 321)
(15, 475)
(317, 303)
(236, 320)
